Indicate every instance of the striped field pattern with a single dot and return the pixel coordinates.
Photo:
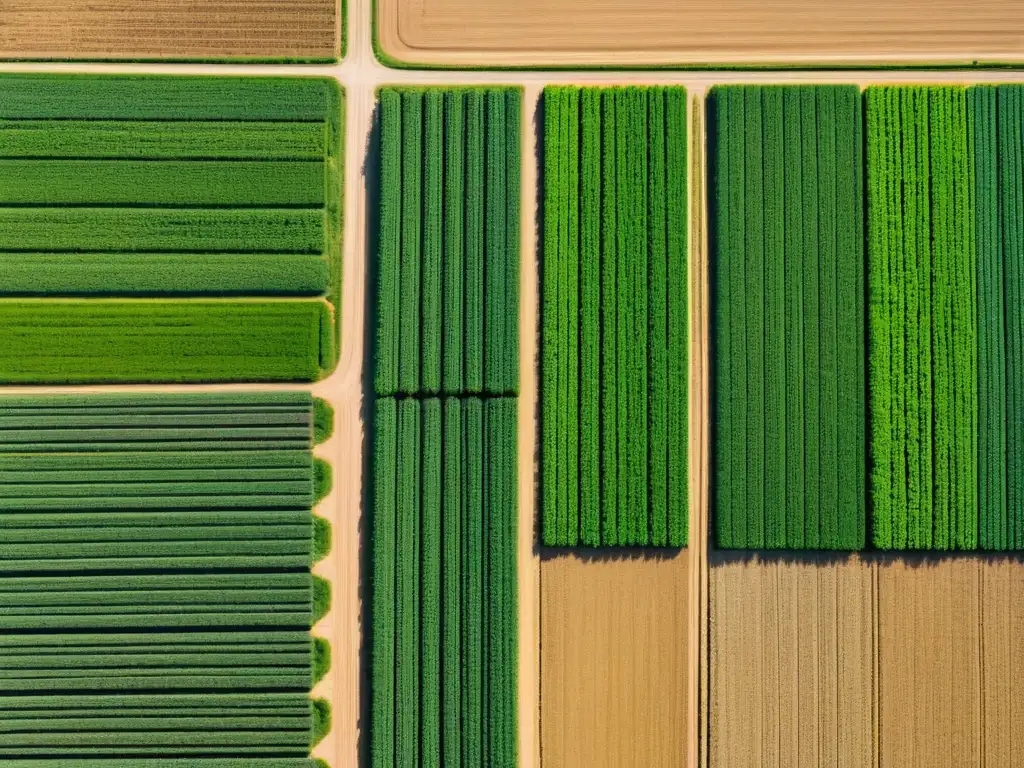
(444, 583)
(119, 192)
(448, 242)
(922, 329)
(156, 598)
(995, 117)
(787, 265)
(614, 347)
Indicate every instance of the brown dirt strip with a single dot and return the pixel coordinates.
(699, 32)
(614, 667)
(951, 697)
(169, 29)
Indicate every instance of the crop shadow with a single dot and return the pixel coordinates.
(538, 256)
(367, 407)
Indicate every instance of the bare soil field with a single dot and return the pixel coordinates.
(619, 33)
(169, 29)
(876, 661)
(951, 634)
(791, 662)
(614, 640)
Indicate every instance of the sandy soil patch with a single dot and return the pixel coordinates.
(697, 32)
(791, 662)
(169, 29)
(950, 637)
(614, 682)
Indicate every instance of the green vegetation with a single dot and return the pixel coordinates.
(64, 341)
(787, 258)
(448, 242)
(156, 598)
(614, 351)
(133, 187)
(994, 118)
(923, 326)
(444, 603)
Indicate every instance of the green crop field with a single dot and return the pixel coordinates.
(443, 579)
(787, 262)
(614, 321)
(115, 189)
(932, 189)
(447, 266)
(923, 327)
(994, 116)
(156, 597)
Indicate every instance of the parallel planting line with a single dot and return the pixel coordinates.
(126, 187)
(787, 262)
(448, 242)
(444, 583)
(156, 597)
(614, 351)
(923, 327)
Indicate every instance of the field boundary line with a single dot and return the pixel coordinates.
(529, 487)
(697, 720)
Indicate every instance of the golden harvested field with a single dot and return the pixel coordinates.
(169, 29)
(614, 658)
(699, 32)
(866, 661)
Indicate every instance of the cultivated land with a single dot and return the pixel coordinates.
(170, 29)
(345, 389)
(865, 660)
(618, 33)
(614, 629)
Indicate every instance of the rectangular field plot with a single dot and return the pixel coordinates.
(169, 228)
(448, 263)
(614, 660)
(614, 321)
(868, 660)
(698, 33)
(171, 30)
(787, 265)
(443, 575)
(156, 594)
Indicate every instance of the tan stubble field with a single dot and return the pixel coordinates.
(621, 33)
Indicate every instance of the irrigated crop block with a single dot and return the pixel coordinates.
(169, 228)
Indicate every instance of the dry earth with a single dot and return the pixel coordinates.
(169, 29)
(950, 641)
(791, 662)
(895, 662)
(614, 662)
(699, 32)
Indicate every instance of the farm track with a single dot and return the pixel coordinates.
(361, 74)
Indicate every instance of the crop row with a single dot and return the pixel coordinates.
(194, 340)
(787, 234)
(448, 241)
(995, 116)
(156, 597)
(444, 583)
(923, 320)
(614, 360)
(866, 291)
(140, 187)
